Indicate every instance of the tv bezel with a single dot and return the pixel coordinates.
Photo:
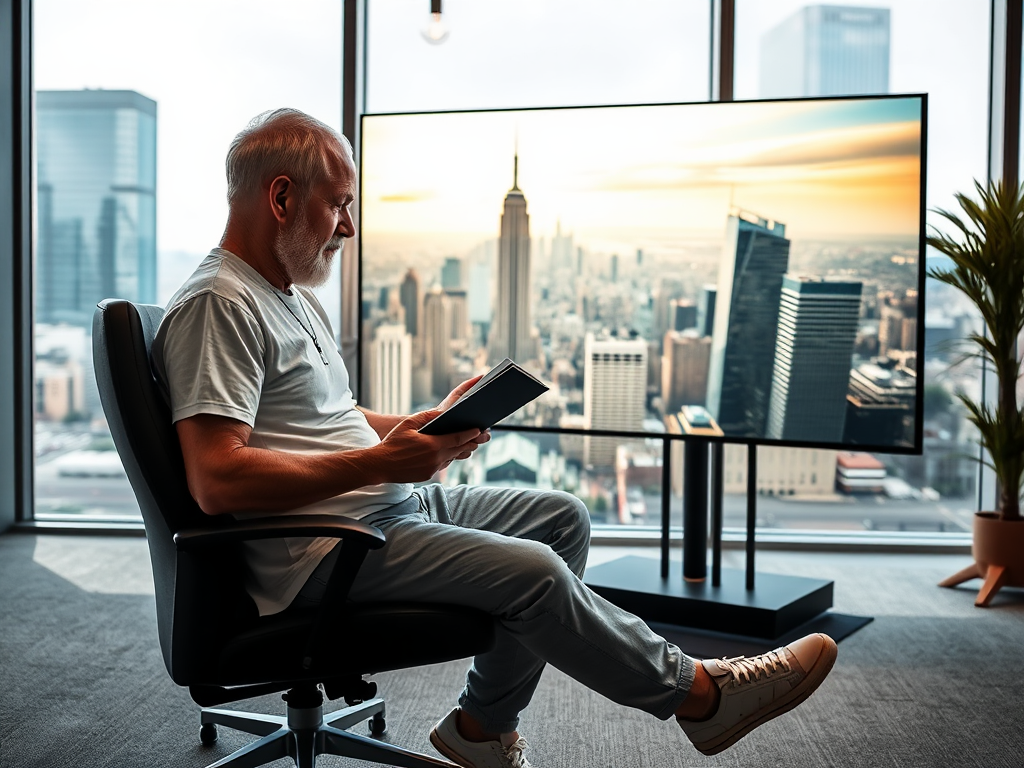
(918, 432)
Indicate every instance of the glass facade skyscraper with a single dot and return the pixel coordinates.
(816, 332)
(756, 257)
(96, 201)
(826, 50)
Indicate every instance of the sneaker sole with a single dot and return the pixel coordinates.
(447, 751)
(806, 687)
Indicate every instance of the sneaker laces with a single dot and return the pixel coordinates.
(742, 668)
(514, 753)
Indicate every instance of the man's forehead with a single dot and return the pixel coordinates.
(340, 168)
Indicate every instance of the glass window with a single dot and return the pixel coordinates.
(507, 55)
(788, 48)
(537, 53)
(136, 104)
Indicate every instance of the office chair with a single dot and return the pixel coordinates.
(212, 639)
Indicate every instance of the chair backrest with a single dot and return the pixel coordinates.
(198, 599)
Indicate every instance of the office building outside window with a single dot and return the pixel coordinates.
(96, 198)
(791, 48)
(131, 131)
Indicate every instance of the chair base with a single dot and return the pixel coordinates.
(306, 732)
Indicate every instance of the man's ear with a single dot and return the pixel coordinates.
(282, 198)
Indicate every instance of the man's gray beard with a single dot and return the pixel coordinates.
(301, 253)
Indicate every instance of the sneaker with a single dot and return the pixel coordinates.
(476, 754)
(755, 690)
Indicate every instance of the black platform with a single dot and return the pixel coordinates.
(777, 605)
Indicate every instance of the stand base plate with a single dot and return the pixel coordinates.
(777, 605)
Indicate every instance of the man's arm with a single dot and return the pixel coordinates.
(226, 475)
(381, 423)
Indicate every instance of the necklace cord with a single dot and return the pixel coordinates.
(309, 331)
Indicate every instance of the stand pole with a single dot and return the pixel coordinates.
(695, 509)
(717, 467)
(751, 511)
(666, 503)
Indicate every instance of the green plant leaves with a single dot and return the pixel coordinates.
(987, 252)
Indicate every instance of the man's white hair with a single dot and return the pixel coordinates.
(280, 142)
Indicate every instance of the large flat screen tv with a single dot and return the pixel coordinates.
(749, 271)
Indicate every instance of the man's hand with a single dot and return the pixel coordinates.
(409, 456)
(455, 394)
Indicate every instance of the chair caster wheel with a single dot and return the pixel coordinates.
(208, 734)
(378, 725)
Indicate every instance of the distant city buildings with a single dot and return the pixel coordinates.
(510, 334)
(814, 349)
(859, 473)
(754, 259)
(451, 273)
(706, 310)
(96, 207)
(60, 388)
(391, 370)
(459, 315)
(880, 404)
(614, 393)
(827, 50)
(437, 347)
(683, 313)
(684, 369)
(411, 299)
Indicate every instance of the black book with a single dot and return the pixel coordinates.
(502, 391)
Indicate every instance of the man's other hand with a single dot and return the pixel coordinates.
(410, 456)
(455, 394)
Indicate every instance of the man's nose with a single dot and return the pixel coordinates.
(346, 227)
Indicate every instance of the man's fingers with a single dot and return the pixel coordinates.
(461, 438)
(423, 417)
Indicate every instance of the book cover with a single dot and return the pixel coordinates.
(502, 391)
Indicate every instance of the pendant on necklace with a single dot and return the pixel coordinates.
(320, 350)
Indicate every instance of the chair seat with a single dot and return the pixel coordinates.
(375, 638)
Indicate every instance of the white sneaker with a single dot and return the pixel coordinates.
(476, 754)
(755, 690)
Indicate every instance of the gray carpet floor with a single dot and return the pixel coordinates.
(932, 682)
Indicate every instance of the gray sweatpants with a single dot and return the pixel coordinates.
(518, 555)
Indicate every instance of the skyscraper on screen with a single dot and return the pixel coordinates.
(510, 332)
(817, 329)
(755, 258)
(826, 50)
(96, 201)
(684, 369)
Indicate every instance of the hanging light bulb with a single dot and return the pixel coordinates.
(436, 31)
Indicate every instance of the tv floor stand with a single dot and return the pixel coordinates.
(738, 602)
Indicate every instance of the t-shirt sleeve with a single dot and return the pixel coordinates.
(212, 359)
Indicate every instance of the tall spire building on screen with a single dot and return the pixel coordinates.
(511, 331)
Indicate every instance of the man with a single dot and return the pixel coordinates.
(261, 402)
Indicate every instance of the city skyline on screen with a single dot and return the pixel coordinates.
(749, 270)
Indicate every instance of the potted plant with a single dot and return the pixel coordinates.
(987, 254)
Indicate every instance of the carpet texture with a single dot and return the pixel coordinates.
(932, 681)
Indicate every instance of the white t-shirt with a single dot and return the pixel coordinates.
(233, 345)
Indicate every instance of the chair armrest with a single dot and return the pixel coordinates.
(323, 526)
